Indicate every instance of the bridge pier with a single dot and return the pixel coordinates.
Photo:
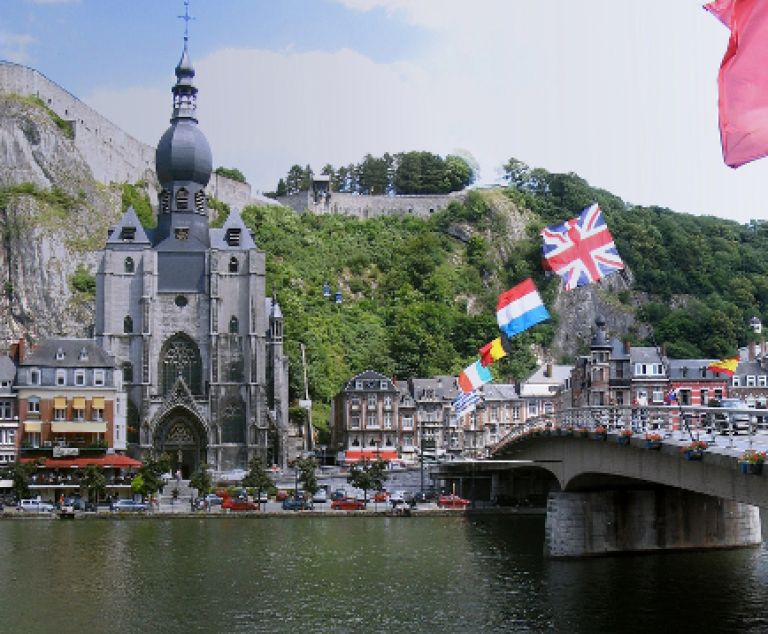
(581, 524)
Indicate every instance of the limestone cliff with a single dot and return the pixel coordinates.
(54, 217)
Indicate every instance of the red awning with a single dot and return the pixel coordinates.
(115, 461)
(355, 455)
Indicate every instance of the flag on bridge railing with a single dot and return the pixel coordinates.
(724, 366)
(466, 403)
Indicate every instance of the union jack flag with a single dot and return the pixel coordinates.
(581, 250)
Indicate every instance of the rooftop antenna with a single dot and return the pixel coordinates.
(186, 17)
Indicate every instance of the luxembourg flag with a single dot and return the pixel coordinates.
(473, 377)
(519, 308)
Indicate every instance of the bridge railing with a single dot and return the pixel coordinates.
(689, 421)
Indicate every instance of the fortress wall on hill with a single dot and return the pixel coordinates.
(365, 207)
(112, 154)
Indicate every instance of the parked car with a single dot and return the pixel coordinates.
(129, 506)
(339, 494)
(239, 504)
(320, 497)
(380, 496)
(213, 499)
(281, 495)
(35, 506)
(738, 421)
(452, 502)
(397, 498)
(348, 504)
(296, 504)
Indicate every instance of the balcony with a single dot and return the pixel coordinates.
(79, 427)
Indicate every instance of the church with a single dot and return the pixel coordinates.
(183, 309)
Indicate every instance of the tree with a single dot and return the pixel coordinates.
(281, 190)
(367, 475)
(307, 474)
(21, 474)
(93, 484)
(201, 480)
(232, 173)
(257, 477)
(150, 475)
(293, 180)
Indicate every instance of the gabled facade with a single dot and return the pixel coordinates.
(70, 400)
(9, 419)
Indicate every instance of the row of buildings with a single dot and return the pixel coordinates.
(376, 416)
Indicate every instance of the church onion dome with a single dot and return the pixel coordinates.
(183, 153)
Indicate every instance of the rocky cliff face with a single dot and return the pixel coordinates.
(54, 218)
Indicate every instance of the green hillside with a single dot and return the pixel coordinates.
(419, 295)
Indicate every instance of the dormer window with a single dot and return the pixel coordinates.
(83, 356)
(234, 265)
(59, 354)
(128, 265)
(182, 199)
(233, 237)
(128, 234)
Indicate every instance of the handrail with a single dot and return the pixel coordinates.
(687, 420)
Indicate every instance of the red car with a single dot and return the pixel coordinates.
(381, 496)
(348, 504)
(451, 502)
(238, 504)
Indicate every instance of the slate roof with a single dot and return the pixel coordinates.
(233, 221)
(7, 369)
(45, 354)
(129, 219)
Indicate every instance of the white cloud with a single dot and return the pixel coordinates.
(14, 46)
(622, 93)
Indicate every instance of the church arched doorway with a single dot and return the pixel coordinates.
(181, 435)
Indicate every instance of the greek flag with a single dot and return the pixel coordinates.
(465, 403)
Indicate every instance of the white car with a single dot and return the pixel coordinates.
(321, 496)
(35, 506)
(398, 497)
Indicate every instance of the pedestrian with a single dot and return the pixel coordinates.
(178, 475)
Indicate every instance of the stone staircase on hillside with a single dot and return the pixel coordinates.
(181, 504)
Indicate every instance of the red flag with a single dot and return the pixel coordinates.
(743, 80)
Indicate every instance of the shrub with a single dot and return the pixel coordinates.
(83, 281)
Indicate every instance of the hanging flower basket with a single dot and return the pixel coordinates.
(695, 450)
(599, 433)
(751, 468)
(653, 441)
(581, 432)
(751, 462)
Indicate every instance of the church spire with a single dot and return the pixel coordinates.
(184, 92)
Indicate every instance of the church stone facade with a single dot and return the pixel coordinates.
(183, 309)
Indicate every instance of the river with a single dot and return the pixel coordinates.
(358, 574)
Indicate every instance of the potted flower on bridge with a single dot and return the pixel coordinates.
(695, 450)
(751, 461)
(624, 436)
(653, 441)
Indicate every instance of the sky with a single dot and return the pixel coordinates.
(623, 93)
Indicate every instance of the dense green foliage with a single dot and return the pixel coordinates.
(716, 269)
(231, 172)
(406, 287)
(368, 475)
(135, 196)
(83, 281)
(403, 173)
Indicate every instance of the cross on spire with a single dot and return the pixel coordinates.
(186, 17)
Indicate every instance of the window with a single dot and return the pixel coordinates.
(128, 234)
(182, 199)
(128, 372)
(658, 395)
(33, 407)
(234, 265)
(234, 326)
(34, 376)
(354, 402)
(59, 414)
(233, 237)
(373, 421)
(200, 201)
(33, 438)
(704, 396)
(762, 381)
(98, 378)
(78, 415)
(97, 413)
(736, 380)
(750, 381)
(371, 401)
(128, 325)
(387, 402)
(61, 377)
(533, 408)
(549, 408)
(128, 266)
(181, 233)
(407, 422)
(358, 385)
(387, 420)
(59, 354)
(6, 410)
(354, 422)
(7, 436)
(515, 412)
(382, 385)
(79, 377)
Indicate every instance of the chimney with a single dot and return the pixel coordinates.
(627, 346)
(751, 350)
(548, 370)
(18, 350)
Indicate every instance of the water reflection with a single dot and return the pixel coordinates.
(446, 574)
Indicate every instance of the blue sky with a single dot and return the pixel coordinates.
(623, 93)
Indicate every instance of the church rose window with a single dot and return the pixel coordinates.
(180, 358)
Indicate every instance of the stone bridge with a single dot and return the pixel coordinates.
(608, 488)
